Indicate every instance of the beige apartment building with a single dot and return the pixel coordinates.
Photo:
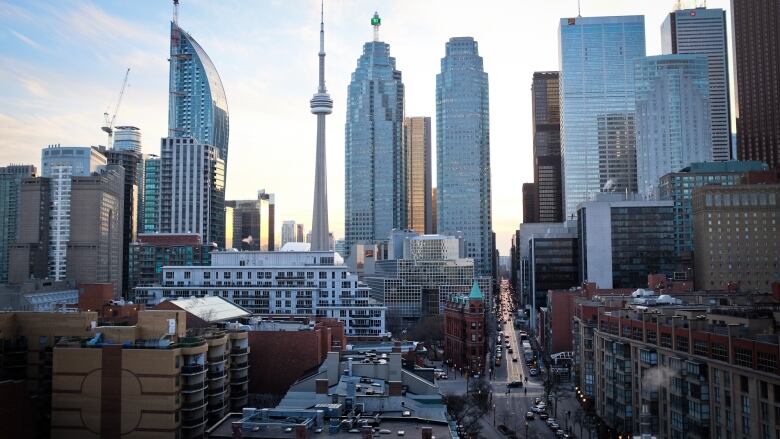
(735, 236)
(156, 379)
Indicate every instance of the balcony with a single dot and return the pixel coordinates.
(192, 370)
(217, 374)
(193, 405)
(239, 380)
(194, 387)
(239, 351)
(237, 366)
(239, 394)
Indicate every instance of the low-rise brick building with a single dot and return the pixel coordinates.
(465, 338)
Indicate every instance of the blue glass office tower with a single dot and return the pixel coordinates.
(463, 151)
(673, 126)
(375, 165)
(598, 138)
(197, 106)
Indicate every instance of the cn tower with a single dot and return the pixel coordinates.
(321, 105)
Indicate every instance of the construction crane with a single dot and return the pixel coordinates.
(109, 119)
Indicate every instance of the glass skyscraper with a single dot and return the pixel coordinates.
(193, 158)
(703, 31)
(672, 116)
(150, 211)
(375, 163)
(197, 106)
(598, 139)
(463, 151)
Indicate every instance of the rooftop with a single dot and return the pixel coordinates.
(211, 308)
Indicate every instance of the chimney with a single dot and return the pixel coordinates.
(776, 290)
(396, 388)
(301, 432)
(426, 433)
(321, 386)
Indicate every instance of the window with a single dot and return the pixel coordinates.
(169, 275)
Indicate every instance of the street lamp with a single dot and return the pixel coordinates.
(526, 429)
(494, 415)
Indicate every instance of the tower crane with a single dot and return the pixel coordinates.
(109, 119)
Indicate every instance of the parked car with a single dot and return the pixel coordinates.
(533, 372)
(443, 376)
(550, 421)
(529, 416)
(543, 416)
(559, 433)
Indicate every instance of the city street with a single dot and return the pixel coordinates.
(509, 406)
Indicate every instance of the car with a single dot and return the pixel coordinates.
(443, 376)
(529, 416)
(514, 359)
(559, 433)
(543, 416)
(537, 400)
(550, 421)
(511, 351)
(533, 372)
(514, 384)
(541, 406)
(503, 429)
(536, 409)
(554, 426)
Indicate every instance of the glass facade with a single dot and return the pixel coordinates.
(10, 193)
(703, 31)
(548, 195)
(417, 142)
(672, 116)
(596, 62)
(678, 187)
(151, 199)
(642, 244)
(555, 266)
(197, 106)
(463, 202)
(375, 163)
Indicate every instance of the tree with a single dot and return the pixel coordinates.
(578, 418)
(554, 392)
(469, 409)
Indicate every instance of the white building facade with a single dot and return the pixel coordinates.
(272, 283)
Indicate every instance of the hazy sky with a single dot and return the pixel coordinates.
(63, 63)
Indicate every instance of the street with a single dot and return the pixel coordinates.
(509, 406)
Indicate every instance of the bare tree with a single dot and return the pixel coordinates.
(469, 409)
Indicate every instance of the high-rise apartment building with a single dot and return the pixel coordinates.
(128, 138)
(545, 101)
(622, 240)
(300, 236)
(132, 162)
(757, 70)
(60, 165)
(735, 236)
(375, 164)
(417, 143)
(254, 223)
(150, 207)
(673, 126)
(288, 232)
(703, 31)
(192, 190)
(463, 151)
(194, 155)
(598, 138)
(70, 227)
(678, 186)
(10, 192)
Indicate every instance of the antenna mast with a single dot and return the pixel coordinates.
(579, 9)
(376, 22)
(176, 12)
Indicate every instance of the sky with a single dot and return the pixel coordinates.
(63, 63)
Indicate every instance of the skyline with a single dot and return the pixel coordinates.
(51, 98)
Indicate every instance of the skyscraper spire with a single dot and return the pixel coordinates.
(321, 105)
(376, 22)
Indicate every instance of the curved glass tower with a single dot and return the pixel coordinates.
(375, 163)
(197, 106)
